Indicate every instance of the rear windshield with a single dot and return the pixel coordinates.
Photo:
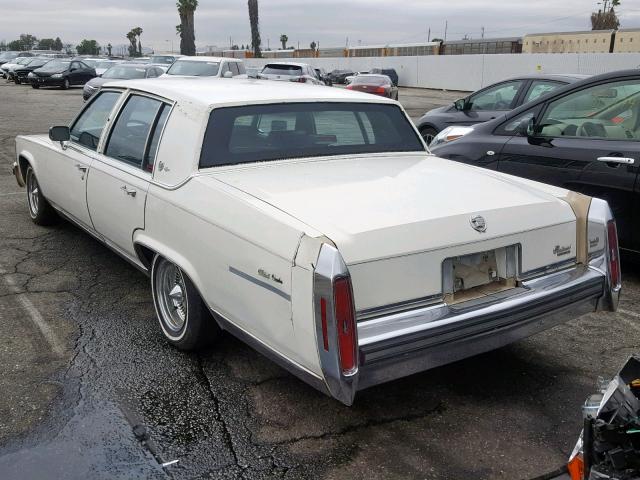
(293, 70)
(167, 60)
(194, 68)
(371, 80)
(258, 133)
(120, 71)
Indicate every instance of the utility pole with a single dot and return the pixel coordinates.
(429, 35)
(482, 36)
(446, 27)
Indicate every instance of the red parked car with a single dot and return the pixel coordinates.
(376, 84)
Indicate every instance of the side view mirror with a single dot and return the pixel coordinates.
(60, 134)
(530, 127)
(73, 69)
(460, 104)
(227, 74)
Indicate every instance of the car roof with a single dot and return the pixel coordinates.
(207, 92)
(561, 77)
(293, 64)
(209, 59)
(372, 75)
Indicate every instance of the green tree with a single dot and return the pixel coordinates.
(137, 32)
(255, 28)
(313, 45)
(133, 47)
(284, 39)
(57, 44)
(46, 44)
(437, 40)
(88, 47)
(606, 19)
(186, 29)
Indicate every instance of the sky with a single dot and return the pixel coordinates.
(332, 23)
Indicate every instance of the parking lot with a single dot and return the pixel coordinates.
(89, 385)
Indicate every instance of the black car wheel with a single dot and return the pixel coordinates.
(65, 84)
(17, 81)
(428, 134)
(33, 85)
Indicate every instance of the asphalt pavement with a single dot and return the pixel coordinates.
(89, 388)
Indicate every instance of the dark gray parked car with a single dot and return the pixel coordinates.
(490, 102)
(122, 71)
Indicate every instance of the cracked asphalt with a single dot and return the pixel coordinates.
(89, 388)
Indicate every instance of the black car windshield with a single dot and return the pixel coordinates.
(162, 59)
(257, 133)
(91, 63)
(194, 68)
(56, 66)
(371, 80)
(275, 69)
(38, 62)
(125, 72)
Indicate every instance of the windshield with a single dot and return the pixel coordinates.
(167, 60)
(56, 66)
(275, 69)
(124, 72)
(257, 133)
(91, 63)
(38, 62)
(104, 64)
(194, 68)
(8, 55)
(371, 80)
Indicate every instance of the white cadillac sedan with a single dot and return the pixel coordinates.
(314, 224)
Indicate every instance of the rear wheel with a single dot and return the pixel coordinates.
(428, 134)
(184, 318)
(40, 210)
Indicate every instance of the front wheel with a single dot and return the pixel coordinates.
(65, 84)
(17, 81)
(40, 210)
(428, 134)
(33, 85)
(184, 318)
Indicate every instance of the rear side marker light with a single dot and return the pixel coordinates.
(576, 468)
(323, 316)
(614, 255)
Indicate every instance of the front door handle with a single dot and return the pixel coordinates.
(622, 160)
(128, 191)
(82, 168)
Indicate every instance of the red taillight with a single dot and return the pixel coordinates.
(381, 90)
(349, 87)
(614, 256)
(302, 80)
(345, 325)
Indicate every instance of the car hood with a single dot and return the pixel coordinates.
(97, 82)
(377, 206)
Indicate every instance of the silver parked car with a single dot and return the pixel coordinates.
(290, 72)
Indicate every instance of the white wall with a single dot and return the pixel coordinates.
(471, 72)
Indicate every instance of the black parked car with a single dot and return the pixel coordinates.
(61, 73)
(338, 76)
(122, 71)
(389, 72)
(584, 137)
(324, 76)
(490, 102)
(20, 73)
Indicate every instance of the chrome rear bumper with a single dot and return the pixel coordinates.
(404, 343)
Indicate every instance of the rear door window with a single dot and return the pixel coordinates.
(130, 135)
(88, 127)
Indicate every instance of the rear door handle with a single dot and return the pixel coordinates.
(622, 160)
(126, 190)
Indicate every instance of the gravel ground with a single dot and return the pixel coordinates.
(91, 390)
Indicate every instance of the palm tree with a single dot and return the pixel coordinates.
(137, 32)
(109, 47)
(284, 39)
(313, 46)
(255, 28)
(132, 40)
(186, 29)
